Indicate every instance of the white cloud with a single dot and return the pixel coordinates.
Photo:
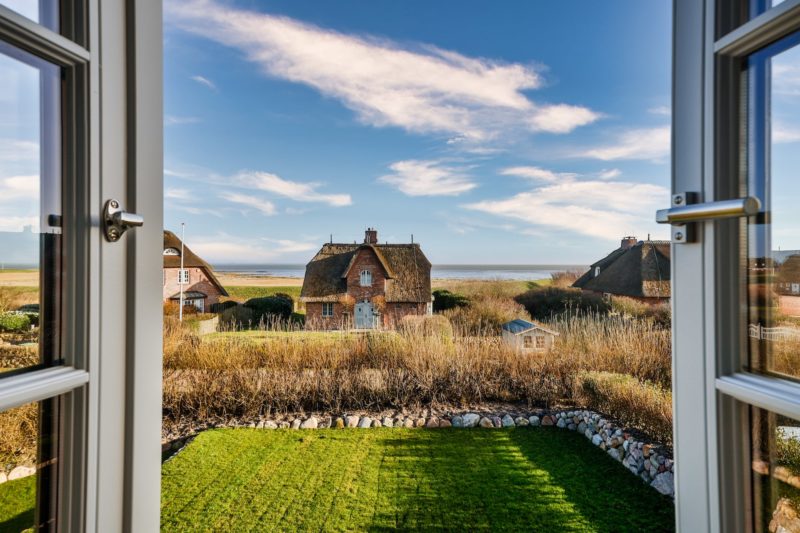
(265, 207)
(604, 209)
(174, 120)
(19, 188)
(428, 178)
(662, 110)
(13, 150)
(537, 173)
(301, 192)
(15, 224)
(653, 143)
(420, 88)
(177, 194)
(785, 76)
(784, 134)
(205, 81)
(222, 248)
(609, 173)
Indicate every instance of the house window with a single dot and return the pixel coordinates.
(327, 309)
(540, 342)
(366, 278)
(596, 271)
(183, 276)
(171, 251)
(527, 341)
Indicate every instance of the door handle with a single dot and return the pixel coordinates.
(686, 210)
(117, 221)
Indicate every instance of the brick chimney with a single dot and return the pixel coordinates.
(371, 236)
(628, 242)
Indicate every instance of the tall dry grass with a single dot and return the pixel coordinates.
(236, 376)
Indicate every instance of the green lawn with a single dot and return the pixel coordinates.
(17, 500)
(530, 479)
(243, 293)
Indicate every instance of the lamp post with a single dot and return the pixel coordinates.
(180, 273)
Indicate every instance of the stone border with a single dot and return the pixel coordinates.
(648, 461)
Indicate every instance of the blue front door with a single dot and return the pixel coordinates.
(365, 317)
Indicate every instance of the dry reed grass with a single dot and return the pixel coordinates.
(235, 376)
(18, 436)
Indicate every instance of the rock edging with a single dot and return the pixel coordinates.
(650, 462)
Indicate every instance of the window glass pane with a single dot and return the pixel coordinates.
(760, 6)
(28, 464)
(45, 12)
(30, 210)
(776, 471)
(773, 159)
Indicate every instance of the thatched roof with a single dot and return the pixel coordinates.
(640, 271)
(190, 259)
(408, 272)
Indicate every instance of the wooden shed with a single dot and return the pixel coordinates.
(528, 336)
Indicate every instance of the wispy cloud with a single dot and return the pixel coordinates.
(661, 110)
(284, 246)
(265, 207)
(592, 207)
(652, 143)
(205, 81)
(177, 194)
(428, 178)
(609, 173)
(15, 188)
(174, 120)
(225, 247)
(301, 192)
(785, 76)
(13, 150)
(421, 88)
(781, 133)
(537, 173)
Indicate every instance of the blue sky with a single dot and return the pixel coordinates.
(524, 132)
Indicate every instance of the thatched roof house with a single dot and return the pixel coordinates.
(201, 287)
(637, 269)
(395, 277)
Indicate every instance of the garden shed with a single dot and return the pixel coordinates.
(528, 336)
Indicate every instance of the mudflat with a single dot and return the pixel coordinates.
(19, 278)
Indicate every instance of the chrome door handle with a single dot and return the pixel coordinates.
(117, 221)
(685, 210)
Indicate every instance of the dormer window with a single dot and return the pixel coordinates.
(366, 278)
(171, 251)
(596, 271)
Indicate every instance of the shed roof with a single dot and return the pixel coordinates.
(520, 325)
(188, 295)
(190, 260)
(641, 271)
(408, 272)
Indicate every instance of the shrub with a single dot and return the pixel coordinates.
(629, 307)
(545, 303)
(484, 316)
(444, 300)
(222, 306)
(14, 322)
(639, 404)
(270, 308)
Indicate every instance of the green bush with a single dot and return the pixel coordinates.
(642, 405)
(660, 313)
(222, 306)
(444, 300)
(548, 302)
(14, 322)
(270, 308)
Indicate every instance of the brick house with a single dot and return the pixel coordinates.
(366, 285)
(637, 269)
(200, 286)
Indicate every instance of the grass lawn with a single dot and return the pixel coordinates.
(530, 479)
(17, 500)
(243, 293)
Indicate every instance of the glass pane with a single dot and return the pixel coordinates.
(776, 471)
(30, 210)
(773, 136)
(28, 464)
(45, 12)
(760, 6)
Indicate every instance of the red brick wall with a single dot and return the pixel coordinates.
(315, 320)
(366, 260)
(395, 312)
(198, 281)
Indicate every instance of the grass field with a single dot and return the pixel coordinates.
(242, 293)
(530, 479)
(17, 500)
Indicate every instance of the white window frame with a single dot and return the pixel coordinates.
(109, 460)
(712, 393)
(365, 278)
(327, 309)
(183, 276)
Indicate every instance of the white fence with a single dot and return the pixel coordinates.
(757, 331)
